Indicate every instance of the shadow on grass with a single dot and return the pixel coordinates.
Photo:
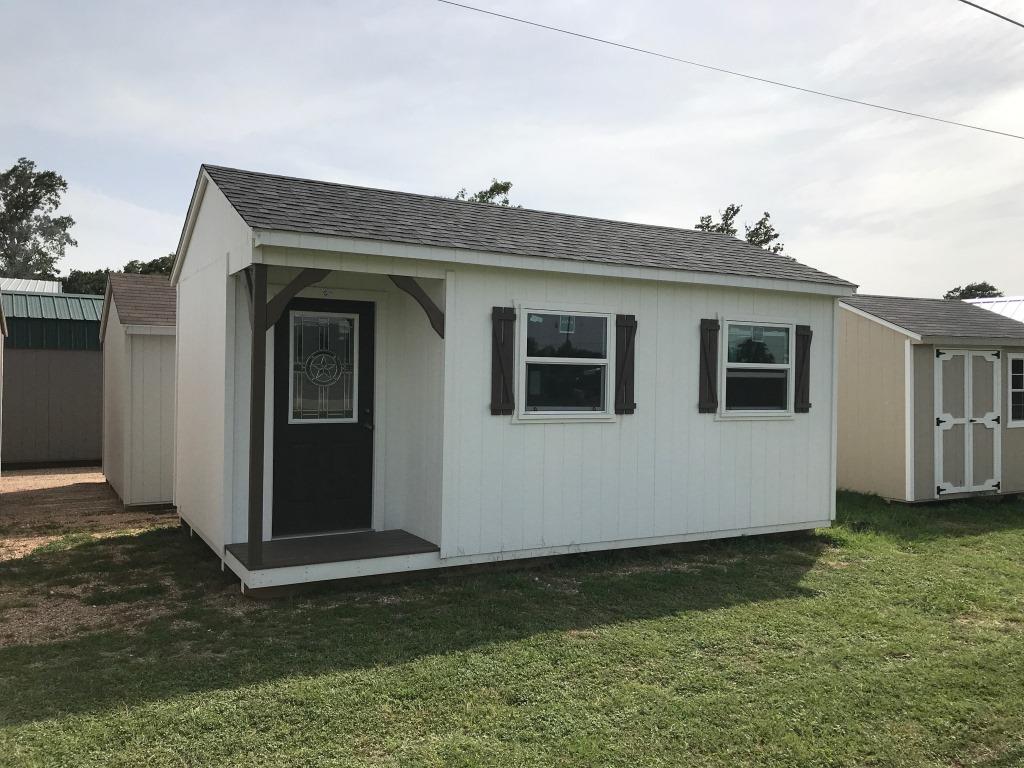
(932, 520)
(209, 637)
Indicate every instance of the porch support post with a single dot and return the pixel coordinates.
(414, 289)
(257, 409)
(304, 279)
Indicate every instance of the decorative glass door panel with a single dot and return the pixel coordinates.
(324, 358)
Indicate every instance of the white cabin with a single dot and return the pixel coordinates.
(434, 383)
(137, 333)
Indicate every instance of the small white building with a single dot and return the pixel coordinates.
(371, 382)
(137, 333)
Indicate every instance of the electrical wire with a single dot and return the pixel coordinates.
(731, 72)
(990, 11)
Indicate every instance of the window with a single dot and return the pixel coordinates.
(324, 362)
(1016, 390)
(565, 363)
(758, 368)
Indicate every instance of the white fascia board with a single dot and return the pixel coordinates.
(444, 257)
(150, 330)
(958, 342)
(107, 300)
(880, 321)
(190, 222)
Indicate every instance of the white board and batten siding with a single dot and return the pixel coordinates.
(138, 409)
(203, 417)
(665, 473)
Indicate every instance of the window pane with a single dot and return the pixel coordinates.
(758, 344)
(323, 367)
(748, 389)
(564, 387)
(566, 336)
(1017, 406)
(1017, 373)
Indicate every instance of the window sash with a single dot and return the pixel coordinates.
(724, 366)
(1014, 361)
(605, 363)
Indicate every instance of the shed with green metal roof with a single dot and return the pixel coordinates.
(51, 380)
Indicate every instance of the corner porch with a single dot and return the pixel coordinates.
(341, 472)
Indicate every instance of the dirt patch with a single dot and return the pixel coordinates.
(38, 506)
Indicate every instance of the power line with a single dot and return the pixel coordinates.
(997, 15)
(734, 73)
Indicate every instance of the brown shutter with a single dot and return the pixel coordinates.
(707, 391)
(503, 321)
(802, 385)
(625, 342)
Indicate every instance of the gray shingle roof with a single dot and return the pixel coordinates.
(143, 299)
(272, 202)
(938, 317)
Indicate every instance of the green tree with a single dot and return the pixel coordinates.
(32, 239)
(158, 266)
(95, 282)
(496, 194)
(762, 233)
(725, 226)
(79, 281)
(980, 290)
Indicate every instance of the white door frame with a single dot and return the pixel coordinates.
(990, 420)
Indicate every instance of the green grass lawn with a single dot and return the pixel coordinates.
(894, 639)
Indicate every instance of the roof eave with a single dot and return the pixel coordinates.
(198, 192)
(438, 255)
(973, 341)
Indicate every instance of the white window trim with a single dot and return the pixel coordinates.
(723, 364)
(355, 366)
(1011, 423)
(524, 416)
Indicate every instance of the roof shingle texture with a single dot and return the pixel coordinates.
(143, 299)
(51, 306)
(271, 202)
(938, 317)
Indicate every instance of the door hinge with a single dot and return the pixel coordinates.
(996, 419)
(997, 485)
(939, 421)
(939, 490)
(938, 353)
(996, 354)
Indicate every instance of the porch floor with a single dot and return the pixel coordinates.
(334, 548)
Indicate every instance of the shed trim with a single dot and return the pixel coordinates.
(198, 192)
(908, 418)
(441, 256)
(150, 330)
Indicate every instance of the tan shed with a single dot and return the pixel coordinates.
(138, 339)
(931, 399)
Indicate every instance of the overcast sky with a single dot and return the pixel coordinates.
(127, 99)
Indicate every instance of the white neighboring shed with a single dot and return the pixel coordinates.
(137, 333)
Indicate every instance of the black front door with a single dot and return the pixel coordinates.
(323, 417)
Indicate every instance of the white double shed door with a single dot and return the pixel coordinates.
(967, 421)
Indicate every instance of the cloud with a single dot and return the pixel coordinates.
(110, 232)
(427, 98)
